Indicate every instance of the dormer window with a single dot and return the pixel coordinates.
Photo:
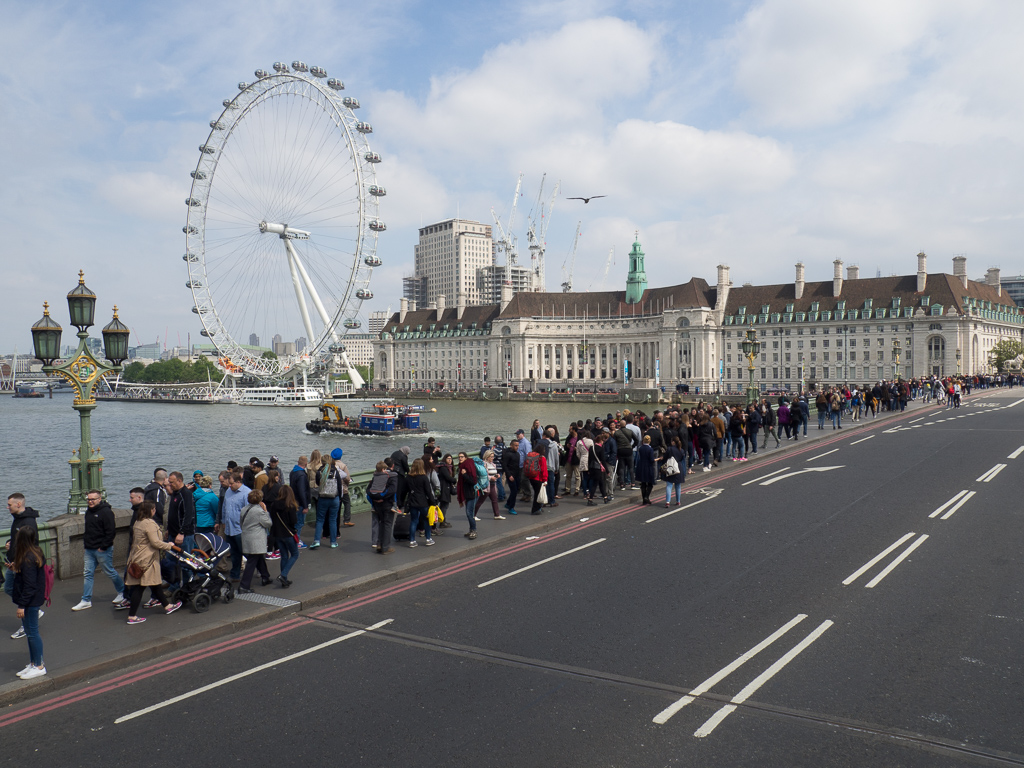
(841, 305)
(764, 309)
(868, 303)
(895, 302)
(789, 307)
(815, 305)
(743, 310)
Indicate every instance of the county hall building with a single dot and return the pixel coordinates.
(847, 329)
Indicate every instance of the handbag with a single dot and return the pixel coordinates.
(434, 515)
(671, 466)
(135, 570)
(293, 533)
(542, 497)
(329, 489)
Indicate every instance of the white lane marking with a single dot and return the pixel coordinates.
(714, 721)
(963, 501)
(253, 671)
(903, 556)
(862, 440)
(1016, 453)
(540, 562)
(1013, 404)
(919, 418)
(800, 472)
(709, 497)
(941, 509)
(663, 717)
(826, 453)
(764, 477)
(988, 476)
(864, 568)
(926, 424)
(921, 425)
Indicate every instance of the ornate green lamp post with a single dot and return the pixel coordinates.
(751, 347)
(83, 371)
(895, 359)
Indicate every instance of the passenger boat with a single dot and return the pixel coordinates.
(376, 419)
(309, 397)
(29, 390)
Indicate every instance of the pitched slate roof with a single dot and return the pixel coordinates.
(695, 293)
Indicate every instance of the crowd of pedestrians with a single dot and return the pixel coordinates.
(262, 514)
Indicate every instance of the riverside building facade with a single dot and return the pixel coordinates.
(822, 333)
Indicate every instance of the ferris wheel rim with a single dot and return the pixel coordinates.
(361, 260)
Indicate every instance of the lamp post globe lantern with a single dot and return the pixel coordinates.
(46, 337)
(83, 370)
(115, 340)
(82, 305)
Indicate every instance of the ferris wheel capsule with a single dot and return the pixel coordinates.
(229, 104)
(364, 127)
(364, 294)
(206, 149)
(318, 72)
(299, 66)
(261, 73)
(371, 157)
(336, 349)
(336, 84)
(193, 284)
(205, 333)
(377, 225)
(243, 85)
(372, 261)
(377, 191)
(190, 258)
(280, 66)
(199, 175)
(352, 324)
(193, 203)
(350, 102)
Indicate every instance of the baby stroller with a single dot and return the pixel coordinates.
(203, 582)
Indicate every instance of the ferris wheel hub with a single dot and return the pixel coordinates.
(283, 231)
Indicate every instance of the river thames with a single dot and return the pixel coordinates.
(134, 438)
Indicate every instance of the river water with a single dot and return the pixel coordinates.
(38, 435)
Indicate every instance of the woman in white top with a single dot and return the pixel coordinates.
(492, 484)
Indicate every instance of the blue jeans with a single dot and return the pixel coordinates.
(501, 488)
(552, 486)
(470, 513)
(821, 419)
(836, 416)
(289, 554)
(668, 492)
(326, 509)
(9, 582)
(415, 513)
(737, 446)
(105, 559)
(300, 520)
(35, 642)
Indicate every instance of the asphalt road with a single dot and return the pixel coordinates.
(857, 603)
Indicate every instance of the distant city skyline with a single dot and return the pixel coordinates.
(753, 134)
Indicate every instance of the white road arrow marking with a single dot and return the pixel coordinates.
(800, 472)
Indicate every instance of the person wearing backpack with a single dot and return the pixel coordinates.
(535, 469)
(29, 594)
(330, 481)
(381, 494)
(419, 497)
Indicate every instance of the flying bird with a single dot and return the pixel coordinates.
(586, 199)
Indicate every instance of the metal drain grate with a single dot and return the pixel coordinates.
(255, 597)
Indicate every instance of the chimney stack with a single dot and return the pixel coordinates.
(460, 305)
(853, 272)
(403, 309)
(922, 271)
(992, 278)
(837, 277)
(441, 306)
(412, 305)
(506, 295)
(960, 268)
(799, 285)
(722, 298)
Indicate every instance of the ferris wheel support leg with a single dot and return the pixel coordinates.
(353, 375)
(312, 292)
(292, 259)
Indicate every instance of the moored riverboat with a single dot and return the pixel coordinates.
(375, 419)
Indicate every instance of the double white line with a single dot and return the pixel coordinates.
(988, 476)
(711, 723)
(954, 504)
(888, 569)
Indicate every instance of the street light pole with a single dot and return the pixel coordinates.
(896, 359)
(751, 347)
(83, 371)
(958, 361)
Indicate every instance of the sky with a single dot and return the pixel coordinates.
(752, 134)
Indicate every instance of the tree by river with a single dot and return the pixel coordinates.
(173, 371)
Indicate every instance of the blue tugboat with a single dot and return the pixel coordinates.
(379, 419)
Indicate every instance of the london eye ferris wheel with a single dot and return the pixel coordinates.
(282, 225)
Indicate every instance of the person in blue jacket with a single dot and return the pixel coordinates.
(29, 595)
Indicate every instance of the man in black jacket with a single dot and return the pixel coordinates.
(298, 479)
(100, 530)
(156, 492)
(181, 515)
(23, 517)
(510, 468)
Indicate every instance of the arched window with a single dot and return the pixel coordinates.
(936, 348)
(683, 322)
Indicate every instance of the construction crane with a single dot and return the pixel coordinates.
(607, 267)
(571, 258)
(507, 240)
(536, 234)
